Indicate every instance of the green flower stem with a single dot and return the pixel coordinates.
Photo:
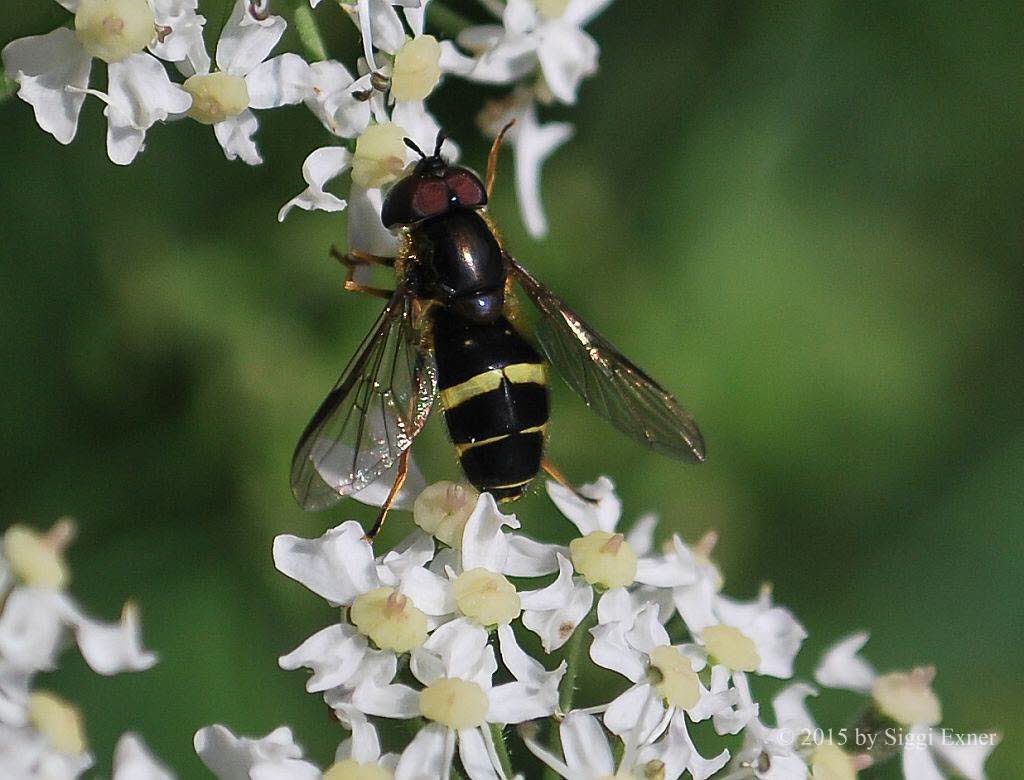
(448, 22)
(309, 33)
(498, 733)
(567, 690)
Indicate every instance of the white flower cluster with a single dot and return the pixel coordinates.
(430, 633)
(539, 48)
(41, 735)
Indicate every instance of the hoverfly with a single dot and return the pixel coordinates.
(449, 329)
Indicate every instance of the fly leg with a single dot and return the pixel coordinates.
(492, 158)
(552, 471)
(357, 259)
(403, 472)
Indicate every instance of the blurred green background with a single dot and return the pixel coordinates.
(804, 217)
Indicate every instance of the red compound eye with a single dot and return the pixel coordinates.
(429, 198)
(466, 187)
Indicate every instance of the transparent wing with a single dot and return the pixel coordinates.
(609, 382)
(376, 409)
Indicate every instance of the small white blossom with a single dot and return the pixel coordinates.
(133, 760)
(359, 755)
(245, 80)
(53, 70)
(547, 34)
(273, 757)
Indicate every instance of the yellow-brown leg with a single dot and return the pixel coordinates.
(552, 471)
(403, 472)
(492, 158)
(356, 259)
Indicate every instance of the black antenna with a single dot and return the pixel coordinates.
(412, 145)
(439, 144)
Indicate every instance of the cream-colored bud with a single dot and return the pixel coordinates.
(389, 619)
(380, 155)
(908, 698)
(604, 559)
(216, 97)
(350, 769)
(678, 683)
(113, 29)
(831, 762)
(731, 647)
(552, 9)
(58, 721)
(38, 559)
(488, 598)
(417, 69)
(455, 703)
(443, 509)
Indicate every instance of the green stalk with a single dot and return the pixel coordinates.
(309, 33)
(498, 733)
(567, 689)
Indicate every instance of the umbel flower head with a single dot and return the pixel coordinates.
(436, 633)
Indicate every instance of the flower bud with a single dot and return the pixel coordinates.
(443, 509)
(113, 29)
(37, 559)
(58, 721)
(216, 97)
(389, 619)
(731, 647)
(604, 559)
(350, 769)
(908, 698)
(831, 762)
(678, 685)
(457, 704)
(379, 156)
(488, 598)
(417, 69)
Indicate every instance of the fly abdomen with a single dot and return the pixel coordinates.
(493, 387)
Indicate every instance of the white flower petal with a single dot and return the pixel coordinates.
(791, 710)
(529, 558)
(529, 737)
(430, 592)
(918, 762)
(484, 544)
(387, 701)
(280, 81)
(774, 630)
(554, 612)
(967, 759)
(32, 628)
(241, 758)
(636, 712)
(843, 667)
(641, 535)
(44, 66)
(611, 650)
(461, 645)
(235, 137)
(245, 42)
(14, 692)
(516, 702)
(366, 232)
(475, 758)
(331, 98)
(337, 566)
(567, 55)
(427, 755)
(111, 648)
(333, 653)
(647, 632)
(419, 125)
(184, 41)
(140, 93)
(320, 167)
(386, 30)
(585, 746)
(580, 12)
(124, 144)
(602, 514)
(695, 604)
(134, 761)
